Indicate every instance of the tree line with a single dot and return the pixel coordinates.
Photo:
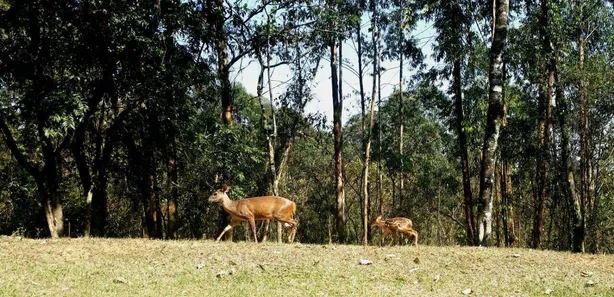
(119, 118)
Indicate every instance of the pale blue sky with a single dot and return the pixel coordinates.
(321, 85)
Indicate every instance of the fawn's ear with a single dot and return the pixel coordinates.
(225, 188)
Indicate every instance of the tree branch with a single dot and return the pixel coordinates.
(12, 144)
(238, 57)
(459, 223)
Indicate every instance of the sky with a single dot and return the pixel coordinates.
(321, 84)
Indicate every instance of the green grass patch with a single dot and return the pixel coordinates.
(139, 267)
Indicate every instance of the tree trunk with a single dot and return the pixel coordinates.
(270, 146)
(338, 142)
(172, 184)
(545, 111)
(587, 185)
(507, 211)
(366, 206)
(142, 162)
(380, 184)
(50, 219)
(171, 231)
(497, 202)
(361, 84)
(151, 204)
(493, 123)
(578, 220)
(217, 15)
(94, 180)
(464, 155)
(104, 147)
(84, 175)
(274, 135)
(367, 156)
(50, 177)
(52, 208)
(401, 115)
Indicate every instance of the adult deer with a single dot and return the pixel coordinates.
(394, 226)
(254, 209)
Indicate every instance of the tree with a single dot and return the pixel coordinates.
(494, 121)
(545, 115)
(339, 16)
(452, 23)
(399, 44)
(40, 100)
(507, 208)
(367, 153)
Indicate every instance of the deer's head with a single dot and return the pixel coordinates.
(377, 221)
(220, 194)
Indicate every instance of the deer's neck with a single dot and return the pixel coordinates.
(229, 205)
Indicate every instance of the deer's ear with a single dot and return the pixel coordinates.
(225, 188)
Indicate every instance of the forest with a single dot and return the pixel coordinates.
(119, 118)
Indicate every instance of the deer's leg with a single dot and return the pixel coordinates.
(401, 233)
(290, 223)
(411, 233)
(252, 225)
(222, 234)
(292, 234)
(267, 230)
(395, 238)
(386, 233)
(230, 226)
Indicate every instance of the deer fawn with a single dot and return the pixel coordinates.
(255, 209)
(394, 226)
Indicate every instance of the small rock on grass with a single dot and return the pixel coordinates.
(466, 291)
(586, 273)
(515, 255)
(222, 273)
(365, 262)
(120, 280)
(549, 291)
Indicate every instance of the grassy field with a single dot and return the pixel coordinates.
(138, 267)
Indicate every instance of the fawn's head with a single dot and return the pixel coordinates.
(219, 194)
(376, 221)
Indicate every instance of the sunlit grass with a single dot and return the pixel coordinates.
(138, 267)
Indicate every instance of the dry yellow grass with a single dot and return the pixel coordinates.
(138, 267)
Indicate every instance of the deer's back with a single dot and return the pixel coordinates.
(399, 223)
(267, 207)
